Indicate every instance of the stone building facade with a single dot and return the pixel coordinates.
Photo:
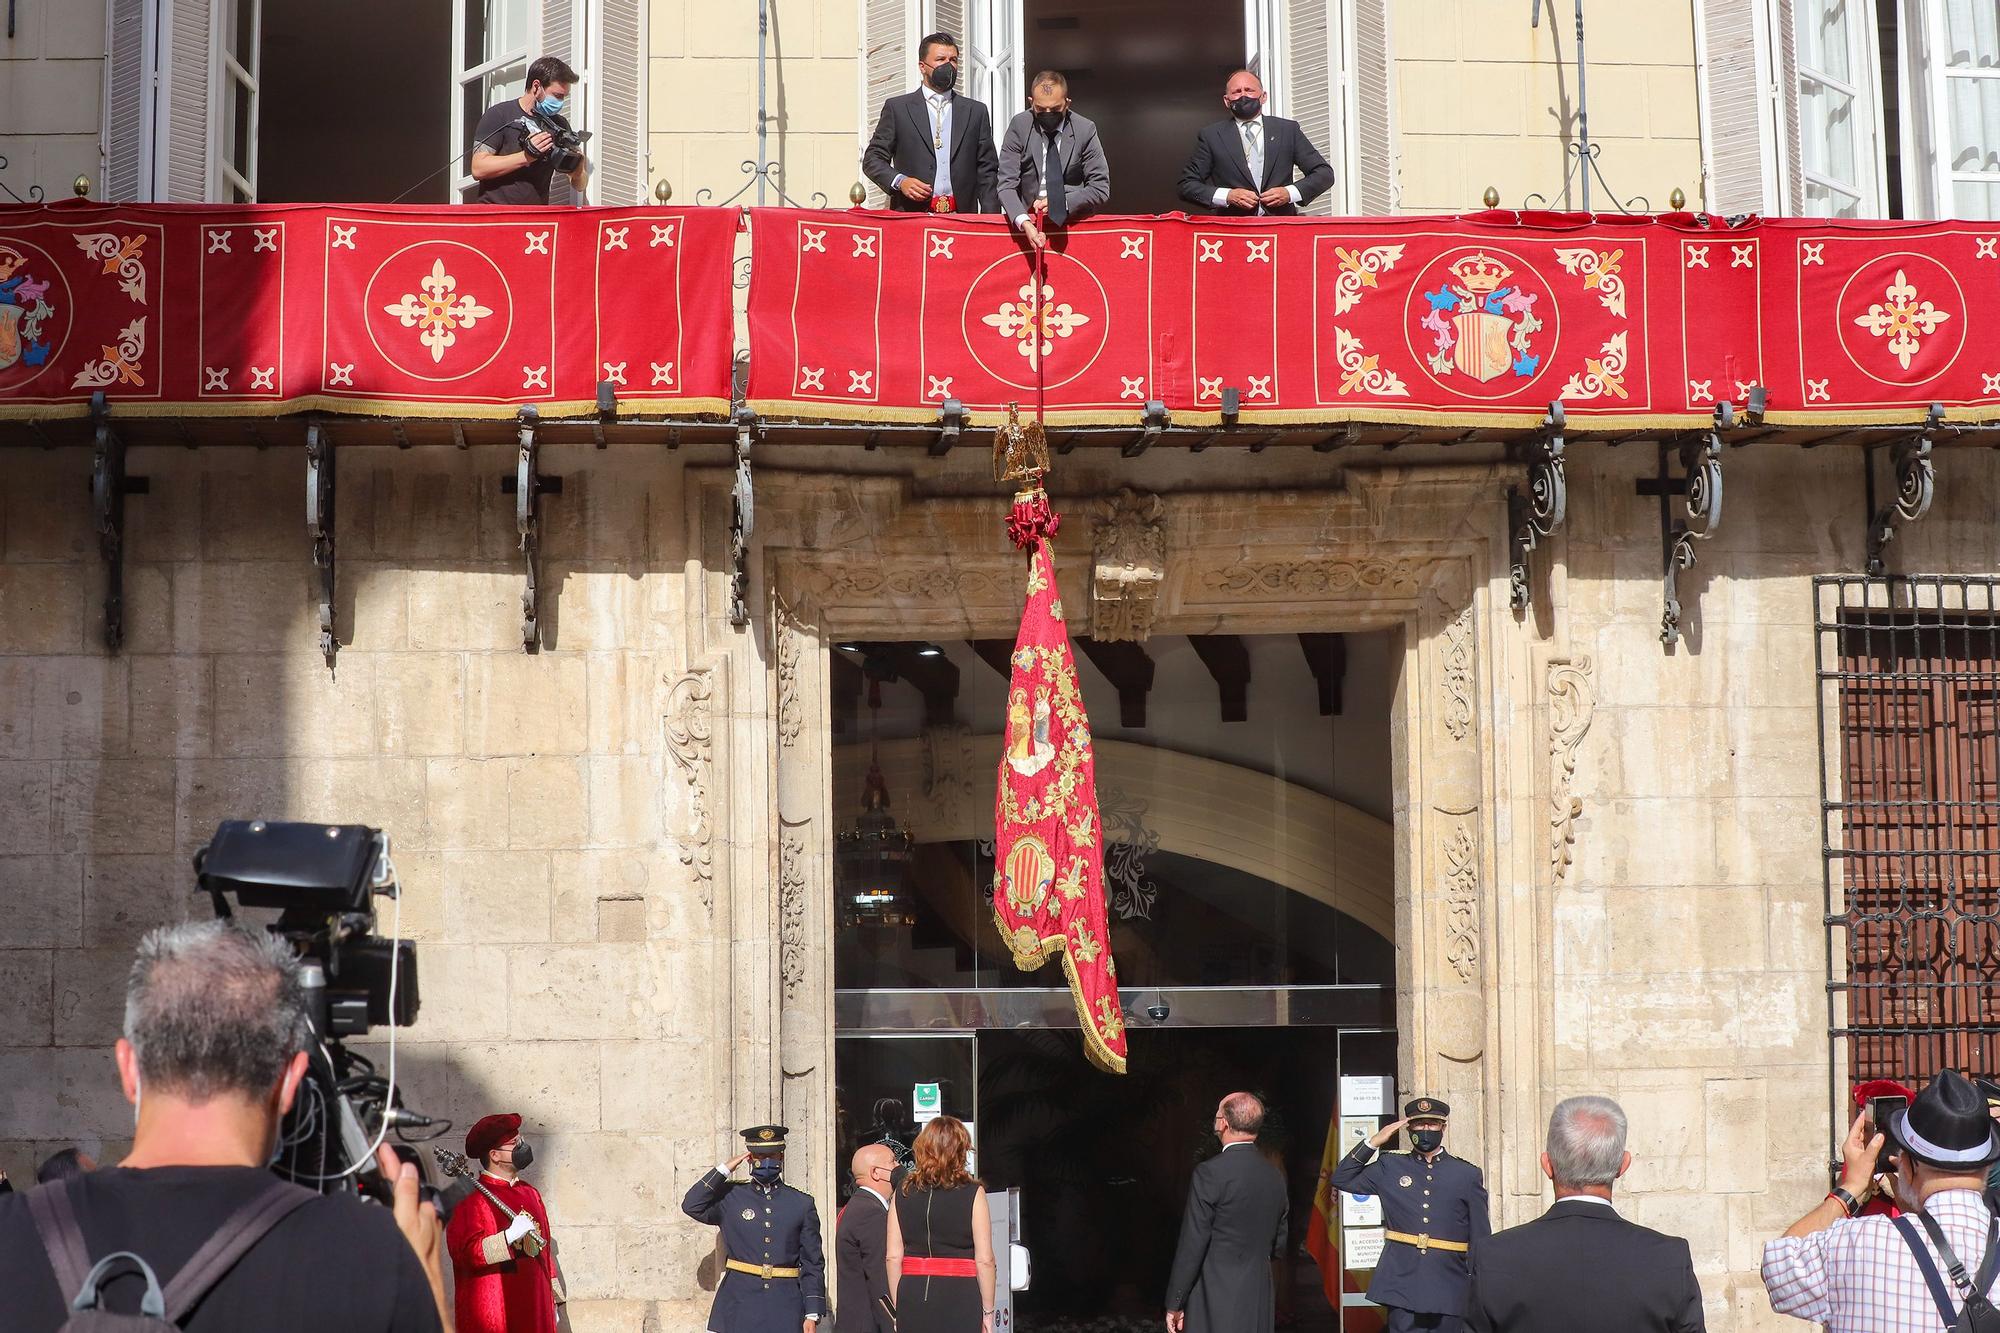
(617, 850)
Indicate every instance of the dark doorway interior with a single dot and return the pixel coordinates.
(354, 101)
(1103, 1163)
(1149, 72)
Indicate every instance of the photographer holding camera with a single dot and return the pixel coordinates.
(523, 142)
(192, 1228)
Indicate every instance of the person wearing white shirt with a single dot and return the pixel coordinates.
(932, 150)
(1253, 164)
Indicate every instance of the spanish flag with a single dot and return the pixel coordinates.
(1323, 1240)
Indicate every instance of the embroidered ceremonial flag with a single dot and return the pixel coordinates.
(1048, 883)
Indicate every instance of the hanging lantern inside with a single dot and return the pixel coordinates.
(871, 862)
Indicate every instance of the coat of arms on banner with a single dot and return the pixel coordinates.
(25, 313)
(1482, 320)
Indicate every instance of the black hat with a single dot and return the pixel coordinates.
(1426, 1108)
(764, 1140)
(1948, 1126)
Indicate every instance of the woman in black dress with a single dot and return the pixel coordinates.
(940, 1256)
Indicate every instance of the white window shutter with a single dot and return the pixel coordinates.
(948, 16)
(1309, 84)
(181, 176)
(890, 68)
(1374, 164)
(559, 40)
(127, 87)
(619, 150)
(1738, 74)
(1786, 39)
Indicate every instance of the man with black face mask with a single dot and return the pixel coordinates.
(503, 1258)
(1434, 1210)
(932, 150)
(1052, 167)
(1243, 166)
(774, 1269)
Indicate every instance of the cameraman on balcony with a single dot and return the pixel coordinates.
(192, 1227)
(522, 142)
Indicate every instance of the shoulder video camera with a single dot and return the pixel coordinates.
(322, 880)
(565, 153)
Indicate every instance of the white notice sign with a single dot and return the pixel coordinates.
(1360, 1210)
(1363, 1248)
(1366, 1094)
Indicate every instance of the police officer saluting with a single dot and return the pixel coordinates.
(1434, 1208)
(774, 1278)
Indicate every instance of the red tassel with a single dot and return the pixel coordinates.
(1032, 519)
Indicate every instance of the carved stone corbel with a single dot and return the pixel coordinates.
(1128, 564)
(1572, 705)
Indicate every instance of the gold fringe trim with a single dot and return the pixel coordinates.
(388, 408)
(1058, 946)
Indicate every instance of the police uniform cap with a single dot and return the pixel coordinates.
(763, 1140)
(1426, 1108)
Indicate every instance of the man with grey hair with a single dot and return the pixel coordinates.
(1580, 1267)
(216, 1028)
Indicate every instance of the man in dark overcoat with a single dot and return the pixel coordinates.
(1234, 1227)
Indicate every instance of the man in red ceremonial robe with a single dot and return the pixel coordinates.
(504, 1275)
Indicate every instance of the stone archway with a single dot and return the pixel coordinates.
(836, 556)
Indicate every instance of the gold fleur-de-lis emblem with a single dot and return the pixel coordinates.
(437, 311)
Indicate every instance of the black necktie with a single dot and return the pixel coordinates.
(1052, 181)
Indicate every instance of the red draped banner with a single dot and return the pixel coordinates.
(1477, 320)
(259, 309)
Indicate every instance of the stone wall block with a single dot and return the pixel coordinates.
(44, 608)
(419, 703)
(465, 993)
(246, 607)
(253, 508)
(173, 706)
(123, 805)
(26, 999)
(89, 1004)
(209, 791)
(586, 991)
(625, 801)
(522, 703)
(553, 1085)
(293, 706)
(627, 699)
(386, 793)
(466, 802)
(496, 897)
(614, 1179)
(656, 1087)
(468, 610)
(42, 900)
(126, 896)
(548, 802)
(62, 707)
(1736, 1117)
(1702, 931)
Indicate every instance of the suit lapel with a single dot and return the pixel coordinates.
(1271, 128)
(920, 119)
(960, 120)
(1233, 153)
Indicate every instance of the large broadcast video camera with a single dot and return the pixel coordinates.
(322, 879)
(566, 152)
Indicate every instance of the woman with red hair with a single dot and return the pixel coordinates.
(940, 1257)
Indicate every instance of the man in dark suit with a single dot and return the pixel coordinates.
(932, 150)
(1034, 197)
(1234, 1228)
(1243, 166)
(1435, 1211)
(1579, 1267)
(861, 1246)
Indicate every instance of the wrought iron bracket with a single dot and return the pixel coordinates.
(743, 518)
(761, 175)
(1916, 483)
(527, 485)
(109, 485)
(1700, 489)
(1538, 511)
(319, 526)
(951, 426)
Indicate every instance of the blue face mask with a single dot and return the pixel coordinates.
(551, 106)
(765, 1170)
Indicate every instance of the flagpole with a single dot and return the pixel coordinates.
(1041, 351)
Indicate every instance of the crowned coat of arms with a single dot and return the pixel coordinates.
(1482, 326)
(24, 308)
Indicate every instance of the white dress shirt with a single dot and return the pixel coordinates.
(1255, 159)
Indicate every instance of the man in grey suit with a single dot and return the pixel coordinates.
(1234, 1228)
(1034, 197)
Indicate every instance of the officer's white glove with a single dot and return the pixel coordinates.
(519, 1227)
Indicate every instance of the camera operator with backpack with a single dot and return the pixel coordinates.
(1930, 1269)
(192, 1231)
(521, 143)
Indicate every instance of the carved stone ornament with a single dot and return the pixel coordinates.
(1572, 704)
(690, 743)
(1460, 888)
(1457, 682)
(791, 709)
(1129, 562)
(1286, 579)
(791, 911)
